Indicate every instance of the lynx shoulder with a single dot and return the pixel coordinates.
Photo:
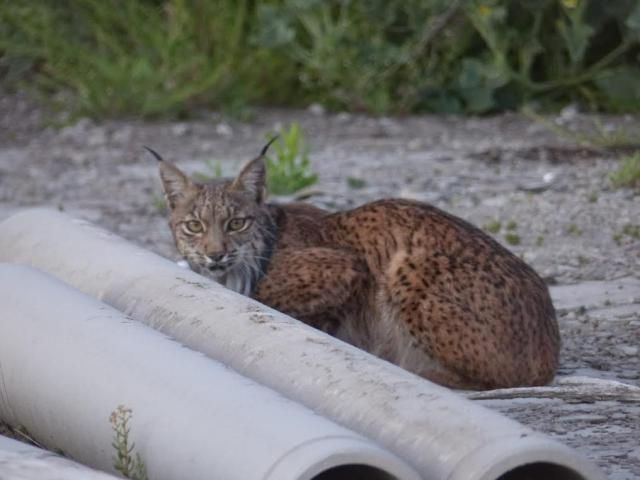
(403, 280)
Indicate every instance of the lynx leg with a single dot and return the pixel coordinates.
(320, 286)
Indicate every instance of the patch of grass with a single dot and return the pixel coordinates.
(136, 57)
(512, 238)
(574, 230)
(356, 183)
(22, 432)
(289, 168)
(159, 202)
(493, 227)
(125, 462)
(539, 241)
(628, 172)
(512, 225)
(632, 231)
(593, 197)
(595, 136)
(617, 237)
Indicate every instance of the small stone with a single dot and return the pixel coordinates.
(179, 129)
(343, 117)
(567, 114)
(316, 109)
(97, 137)
(389, 125)
(122, 135)
(182, 264)
(537, 186)
(628, 350)
(277, 127)
(415, 144)
(78, 158)
(548, 177)
(224, 129)
(206, 146)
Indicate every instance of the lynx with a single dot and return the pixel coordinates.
(403, 280)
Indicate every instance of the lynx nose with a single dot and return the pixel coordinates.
(216, 257)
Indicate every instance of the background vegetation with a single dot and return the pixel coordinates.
(163, 57)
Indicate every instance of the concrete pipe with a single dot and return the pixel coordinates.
(68, 361)
(19, 461)
(441, 434)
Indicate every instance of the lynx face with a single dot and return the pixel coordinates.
(222, 228)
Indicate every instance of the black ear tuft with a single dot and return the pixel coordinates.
(155, 154)
(263, 152)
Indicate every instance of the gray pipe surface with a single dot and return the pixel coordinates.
(19, 461)
(441, 434)
(67, 361)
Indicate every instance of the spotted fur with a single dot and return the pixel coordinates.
(403, 280)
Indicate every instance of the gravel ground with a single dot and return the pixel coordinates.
(551, 198)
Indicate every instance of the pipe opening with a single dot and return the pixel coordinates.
(541, 471)
(354, 472)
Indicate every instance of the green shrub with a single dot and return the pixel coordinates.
(628, 172)
(150, 57)
(135, 57)
(289, 169)
(493, 227)
(476, 56)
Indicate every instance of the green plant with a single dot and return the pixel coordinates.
(474, 56)
(129, 466)
(512, 238)
(512, 225)
(24, 434)
(574, 230)
(594, 135)
(135, 57)
(628, 172)
(629, 230)
(356, 183)
(159, 202)
(617, 237)
(289, 169)
(632, 231)
(157, 57)
(493, 227)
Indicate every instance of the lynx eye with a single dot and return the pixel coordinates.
(194, 226)
(238, 224)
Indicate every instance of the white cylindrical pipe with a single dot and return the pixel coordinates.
(19, 461)
(443, 435)
(67, 361)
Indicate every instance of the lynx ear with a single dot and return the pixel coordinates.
(174, 182)
(251, 179)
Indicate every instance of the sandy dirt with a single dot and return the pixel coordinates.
(553, 199)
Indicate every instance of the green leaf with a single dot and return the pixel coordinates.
(477, 83)
(621, 87)
(274, 28)
(576, 34)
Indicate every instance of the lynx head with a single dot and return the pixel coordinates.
(222, 228)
